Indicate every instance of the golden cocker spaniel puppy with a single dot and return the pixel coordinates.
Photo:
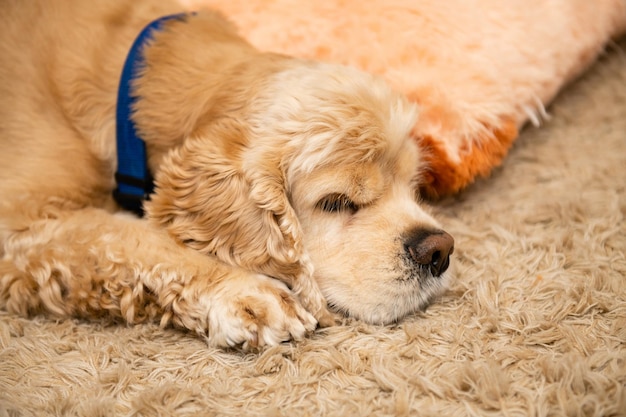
(284, 189)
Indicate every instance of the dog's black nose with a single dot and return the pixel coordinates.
(431, 248)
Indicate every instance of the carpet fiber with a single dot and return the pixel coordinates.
(535, 325)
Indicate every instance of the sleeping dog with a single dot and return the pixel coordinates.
(269, 193)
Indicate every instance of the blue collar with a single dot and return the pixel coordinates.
(133, 177)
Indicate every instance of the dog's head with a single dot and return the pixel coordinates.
(319, 176)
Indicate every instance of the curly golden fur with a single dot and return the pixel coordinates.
(280, 183)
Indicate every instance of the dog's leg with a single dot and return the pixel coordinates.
(89, 263)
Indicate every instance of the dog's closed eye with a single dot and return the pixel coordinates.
(337, 203)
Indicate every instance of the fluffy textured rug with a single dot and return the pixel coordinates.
(535, 325)
(479, 69)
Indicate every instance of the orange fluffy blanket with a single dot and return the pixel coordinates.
(479, 69)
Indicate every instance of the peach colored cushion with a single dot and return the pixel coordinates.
(479, 69)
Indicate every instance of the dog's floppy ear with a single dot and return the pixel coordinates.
(213, 199)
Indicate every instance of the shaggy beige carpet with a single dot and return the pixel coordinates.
(535, 325)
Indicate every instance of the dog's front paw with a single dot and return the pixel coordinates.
(253, 311)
